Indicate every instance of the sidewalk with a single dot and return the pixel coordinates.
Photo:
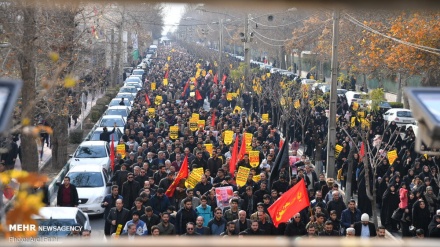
(47, 151)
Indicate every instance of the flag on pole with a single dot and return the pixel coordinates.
(185, 88)
(183, 173)
(213, 119)
(282, 160)
(112, 153)
(224, 79)
(242, 148)
(289, 204)
(233, 161)
(166, 74)
(147, 100)
(362, 151)
(198, 95)
(216, 79)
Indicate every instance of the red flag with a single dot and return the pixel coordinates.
(216, 79)
(233, 161)
(183, 173)
(289, 204)
(198, 95)
(213, 119)
(166, 74)
(362, 151)
(242, 148)
(185, 88)
(224, 79)
(112, 153)
(147, 100)
(281, 143)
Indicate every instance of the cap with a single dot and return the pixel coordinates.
(365, 217)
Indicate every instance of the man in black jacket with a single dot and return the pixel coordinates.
(295, 227)
(150, 218)
(67, 194)
(253, 230)
(108, 203)
(118, 216)
(130, 191)
(328, 230)
(369, 228)
(105, 135)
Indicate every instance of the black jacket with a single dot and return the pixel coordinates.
(130, 191)
(358, 229)
(295, 229)
(121, 218)
(105, 135)
(73, 196)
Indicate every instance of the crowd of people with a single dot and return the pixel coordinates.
(406, 190)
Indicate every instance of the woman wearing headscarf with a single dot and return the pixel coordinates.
(420, 215)
(390, 202)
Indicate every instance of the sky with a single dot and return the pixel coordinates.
(173, 12)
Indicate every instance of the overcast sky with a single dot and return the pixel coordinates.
(173, 12)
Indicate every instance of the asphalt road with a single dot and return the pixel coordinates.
(97, 223)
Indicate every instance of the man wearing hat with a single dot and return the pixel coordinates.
(365, 228)
(141, 227)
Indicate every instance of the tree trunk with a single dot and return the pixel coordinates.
(29, 150)
(299, 64)
(59, 141)
(405, 98)
(365, 82)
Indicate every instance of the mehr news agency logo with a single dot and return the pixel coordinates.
(33, 227)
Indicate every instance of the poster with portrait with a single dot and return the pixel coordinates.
(223, 195)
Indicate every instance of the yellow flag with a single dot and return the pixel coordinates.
(265, 117)
(248, 138)
(312, 103)
(338, 150)
(158, 100)
(203, 73)
(230, 65)
(297, 104)
(209, 148)
(165, 81)
(242, 175)
(195, 116)
(392, 156)
(151, 112)
(193, 124)
(237, 108)
(254, 158)
(263, 77)
(229, 134)
(201, 123)
(229, 96)
(174, 132)
(353, 122)
(153, 86)
(168, 58)
(267, 75)
(355, 106)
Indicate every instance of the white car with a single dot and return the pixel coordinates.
(359, 97)
(129, 89)
(137, 85)
(116, 101)
(61, 216)
(110, 120)
(134, 79)
(128, 96)
(93, 184)
(123, 111)
(95, 134)
(91, 152)
(399, 115)
(138, 73)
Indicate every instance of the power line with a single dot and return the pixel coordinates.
(416, 46)
(282, 25)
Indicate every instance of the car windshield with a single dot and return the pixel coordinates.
(109, 122)
(127, 90)
(120, 112)
(138, 72)
(91, 152)
(127, 96)
(115, 102)
(95, 136)
(55, 223)
(404, 114)
(86, 179)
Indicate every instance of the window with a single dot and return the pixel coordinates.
(80, 218)
(109, 122)
(86, 179)
(404, 114)
(90, 152)
(120, 112)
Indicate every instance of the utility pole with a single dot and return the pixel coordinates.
(247, 61)
(220, 51)
(119, 48)
(333, 99)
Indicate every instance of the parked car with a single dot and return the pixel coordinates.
(128, 96)
(401, 116)
(116, 101)
(138, 72)
(135, 79)
(94, 135)
(384, 107)
(127, 89)
(93, 184)
(91, 152)
(61, 216)
(110, 120)
(341, 92)
(123, 111)
(359, 97)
